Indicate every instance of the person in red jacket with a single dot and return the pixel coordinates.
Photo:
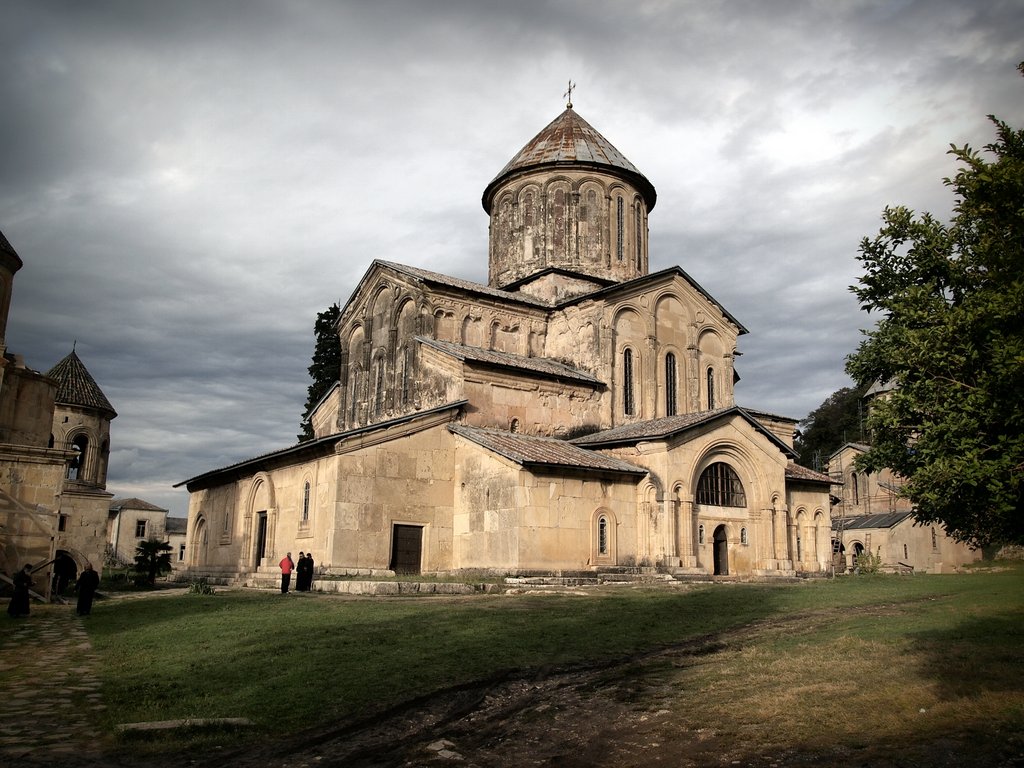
(287, 566)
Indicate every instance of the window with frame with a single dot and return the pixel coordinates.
(743, 536)
(305, 502)
(628, 397)
(719, 486)
(140, 529)
(602, 535)
(711, 388)
(670, 384)
(854, 488)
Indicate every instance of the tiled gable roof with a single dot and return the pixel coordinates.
(116, 505)
(797, 472)
(176, 525)
(540, 365)
(76, 386)
(530, 450)
(651, 429)
(465, 285)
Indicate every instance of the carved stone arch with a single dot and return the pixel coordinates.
(530, 223)
(198, 541)
(261, 493)
(629, 340)
(378, 382)
(82, 440)
(260, 520)
(711, 369)
(742, 462)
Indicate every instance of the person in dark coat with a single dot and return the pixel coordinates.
(309, 571)
(19, 605)
(302, 573)
(86, 586)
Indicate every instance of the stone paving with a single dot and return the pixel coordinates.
(50, 700)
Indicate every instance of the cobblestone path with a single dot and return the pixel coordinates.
(50, 701)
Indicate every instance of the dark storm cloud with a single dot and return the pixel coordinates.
(189, 183)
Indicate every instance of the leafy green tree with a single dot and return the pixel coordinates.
(828, 427)
(152, 559)
(951, 341)
(326, 365)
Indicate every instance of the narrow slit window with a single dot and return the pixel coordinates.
(628, 404)
(670, 384)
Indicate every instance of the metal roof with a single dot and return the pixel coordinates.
(571, 140)
(861, 522)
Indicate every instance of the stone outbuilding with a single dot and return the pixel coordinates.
(575, 413)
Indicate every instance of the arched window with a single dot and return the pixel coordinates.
(854, 488)
(628, 404)
(305, 502)
(720, 487)
(639, 236)
(602, 535)
(743, 536)
(711, 388)
(670, 384)
(700, 533)
(76, 467)
(620, 227)
(513, 426)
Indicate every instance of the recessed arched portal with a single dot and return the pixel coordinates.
(721, 544)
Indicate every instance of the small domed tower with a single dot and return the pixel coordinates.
(568, 201)
(81, 421)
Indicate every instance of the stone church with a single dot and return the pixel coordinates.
(575, 413)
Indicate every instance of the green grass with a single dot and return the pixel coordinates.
(950, 645)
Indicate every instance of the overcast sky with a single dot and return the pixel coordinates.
(190, 183)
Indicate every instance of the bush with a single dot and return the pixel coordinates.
(201, 587)
(868, 563)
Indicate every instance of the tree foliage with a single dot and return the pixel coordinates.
(152, 559)
(325, 366)
(828, 427)
(950, 340)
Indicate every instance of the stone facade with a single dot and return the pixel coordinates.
(872, 516)
(54, 444)
(576, 412)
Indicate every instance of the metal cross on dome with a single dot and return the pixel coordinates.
(568, 94)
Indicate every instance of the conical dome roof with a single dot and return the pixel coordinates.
(569, 140)
(76, 386)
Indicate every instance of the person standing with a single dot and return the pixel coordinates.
(300, 573)
(19, 605)
(308, 579)
(86, 586)
(287, 566)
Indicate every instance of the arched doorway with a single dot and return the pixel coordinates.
(260, 550)
(721, 551)
(858, 550)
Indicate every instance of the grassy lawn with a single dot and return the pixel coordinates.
(864, 658)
